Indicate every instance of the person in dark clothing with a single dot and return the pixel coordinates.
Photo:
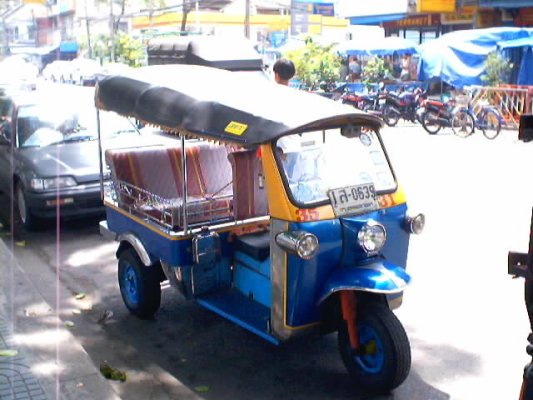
(284, 70)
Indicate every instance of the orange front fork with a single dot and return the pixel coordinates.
(349, 314)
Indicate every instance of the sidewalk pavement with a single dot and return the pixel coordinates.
(47, 362)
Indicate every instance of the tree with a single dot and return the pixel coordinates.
(497, 69)
(316, 64)
(375, 71)
(114, 20)
(127, 49)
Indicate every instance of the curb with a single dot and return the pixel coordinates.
(50, 363)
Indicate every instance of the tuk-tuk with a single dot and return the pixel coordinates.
(520, 264)
(276, 209)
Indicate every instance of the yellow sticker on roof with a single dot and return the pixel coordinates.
(236, 128)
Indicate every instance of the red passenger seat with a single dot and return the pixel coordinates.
(154, 177)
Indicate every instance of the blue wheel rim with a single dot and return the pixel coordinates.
(130, 285)
(372, 358)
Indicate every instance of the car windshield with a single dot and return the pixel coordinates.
(317, 162)
(43, 125)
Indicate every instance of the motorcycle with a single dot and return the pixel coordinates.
(403, 105)
(435, 114)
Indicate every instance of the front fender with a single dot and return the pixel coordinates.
(378, 276)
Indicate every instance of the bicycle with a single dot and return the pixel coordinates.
(487, 118)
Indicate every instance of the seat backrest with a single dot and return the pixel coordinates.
(216, 173)
(249, 194)
(155, 169)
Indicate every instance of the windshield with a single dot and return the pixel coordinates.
(43, 125)
(317, 162)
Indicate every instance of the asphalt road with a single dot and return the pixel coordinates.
(464, 315)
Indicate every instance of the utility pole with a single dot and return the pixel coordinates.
(87, 27)
(247, 19)
(112, 30)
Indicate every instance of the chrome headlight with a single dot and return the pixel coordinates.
(372, 237)
(52, 183)
(416, 224)
(304, 244)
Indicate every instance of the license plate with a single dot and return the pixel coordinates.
(353, 199)
(382, 101)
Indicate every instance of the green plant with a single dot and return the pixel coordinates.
(315, 64)
(375, 70)
(497, 69)
(127, 49)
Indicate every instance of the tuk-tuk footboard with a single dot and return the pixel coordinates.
(240, 309)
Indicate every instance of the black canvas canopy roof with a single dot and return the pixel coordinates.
(233, 107)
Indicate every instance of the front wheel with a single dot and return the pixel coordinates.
(430, 122)
(139, 285)
(383, 360)
(390, 116)
(462, 123)
(491, 124)
(24, 212)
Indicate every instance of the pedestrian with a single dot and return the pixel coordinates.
(406, 63)
(355, 69)
(284, 70)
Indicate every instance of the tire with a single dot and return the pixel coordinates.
(491, 124)
(387, 361)
(390, 116)
(24, 214)
(139, 285)
(430, 122)
(462, 123)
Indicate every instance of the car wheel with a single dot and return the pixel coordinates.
(24, 213)
(139, 285)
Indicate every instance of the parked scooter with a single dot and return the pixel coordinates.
(403, 105)
(370, 102)
(435, 114)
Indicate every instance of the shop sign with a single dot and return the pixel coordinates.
(325, 9)
(435, 6)
(414, 21)
(464, 15)
(487, 18)
(300, 17)
(525, 17)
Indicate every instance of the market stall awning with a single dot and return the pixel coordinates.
(377, 47)
(375, 19)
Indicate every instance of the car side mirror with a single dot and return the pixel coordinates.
(525, 129)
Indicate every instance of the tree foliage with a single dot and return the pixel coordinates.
(315, 64)
(128, 50)
(375, 70)
(497, 69)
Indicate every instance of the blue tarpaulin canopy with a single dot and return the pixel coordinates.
(378, 47)
(459, 57)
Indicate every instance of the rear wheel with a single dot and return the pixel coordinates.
(462, 123)
(383, 360)
(139, 285)
(430, 122)
(390, 116)
(491, 124)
